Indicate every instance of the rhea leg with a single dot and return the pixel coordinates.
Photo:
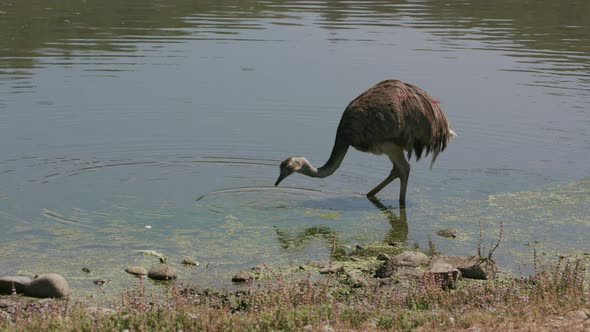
(401, 169)
(403, 166)
(394, 174)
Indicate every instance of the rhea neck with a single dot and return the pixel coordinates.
(338, 152)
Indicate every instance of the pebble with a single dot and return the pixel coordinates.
(581, 314)
(448, 233)
(5, 304)
(386, 269)
(242, 276)
(101, 282)
(99, 310)
(317, 264)
(20, 282)
(332, 269)
(48, 285)
(162, 272)
(445, 274)
(410, 258)
(188, 261)
(136, 270)
(383, 257)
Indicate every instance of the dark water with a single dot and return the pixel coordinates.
(117, 115)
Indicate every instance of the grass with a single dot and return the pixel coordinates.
(545, 301)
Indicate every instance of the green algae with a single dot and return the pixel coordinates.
(324, 214)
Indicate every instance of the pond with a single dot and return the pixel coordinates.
(129, 125)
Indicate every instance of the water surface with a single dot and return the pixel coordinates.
(117, 115)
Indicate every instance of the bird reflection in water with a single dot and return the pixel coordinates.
(397, 235)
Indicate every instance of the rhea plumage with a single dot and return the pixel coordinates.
(389, 118)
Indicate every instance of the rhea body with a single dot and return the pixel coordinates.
(389, 118)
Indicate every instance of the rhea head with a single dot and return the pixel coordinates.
(292, 165)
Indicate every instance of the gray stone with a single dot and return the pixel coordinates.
(318, 264)
(242, 276)
(5, 316)
(99, 311)
(386, 269)
(136, 270)
(448, 233)
(19, 282)
(383, 257)
(410, 258)
(333, 269)
(356, 281)
(188, 261)
(472, 267)
(581, 314)
(101, 282)
(162, 272)
(5, 304)
(445, 275)
(48, 285)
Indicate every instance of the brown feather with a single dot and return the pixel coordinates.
(395, 112)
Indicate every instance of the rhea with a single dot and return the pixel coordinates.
(389, 118)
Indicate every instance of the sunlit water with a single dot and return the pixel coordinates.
(126, 126)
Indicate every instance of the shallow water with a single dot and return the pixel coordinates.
(117, 115)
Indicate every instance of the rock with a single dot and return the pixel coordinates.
(94, 311)
(19, 282)
(188, 261)
(356, 281)
(258, 268)
(136, 270)
(410, 258)
(5, 316)
(48, 285)
(332, 269)
(318, 264)
(444, 274)
(86, 270)
(162, 272)
(327, 328)
(242, 276)
(473, 267)
(386, 269)
(406, 278)
(383, 257)
(5, 304)
(154, 253)
(101, 282)
(581, 314)
(448, 233)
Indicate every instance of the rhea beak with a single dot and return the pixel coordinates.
(284, 174)
(281, 177)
